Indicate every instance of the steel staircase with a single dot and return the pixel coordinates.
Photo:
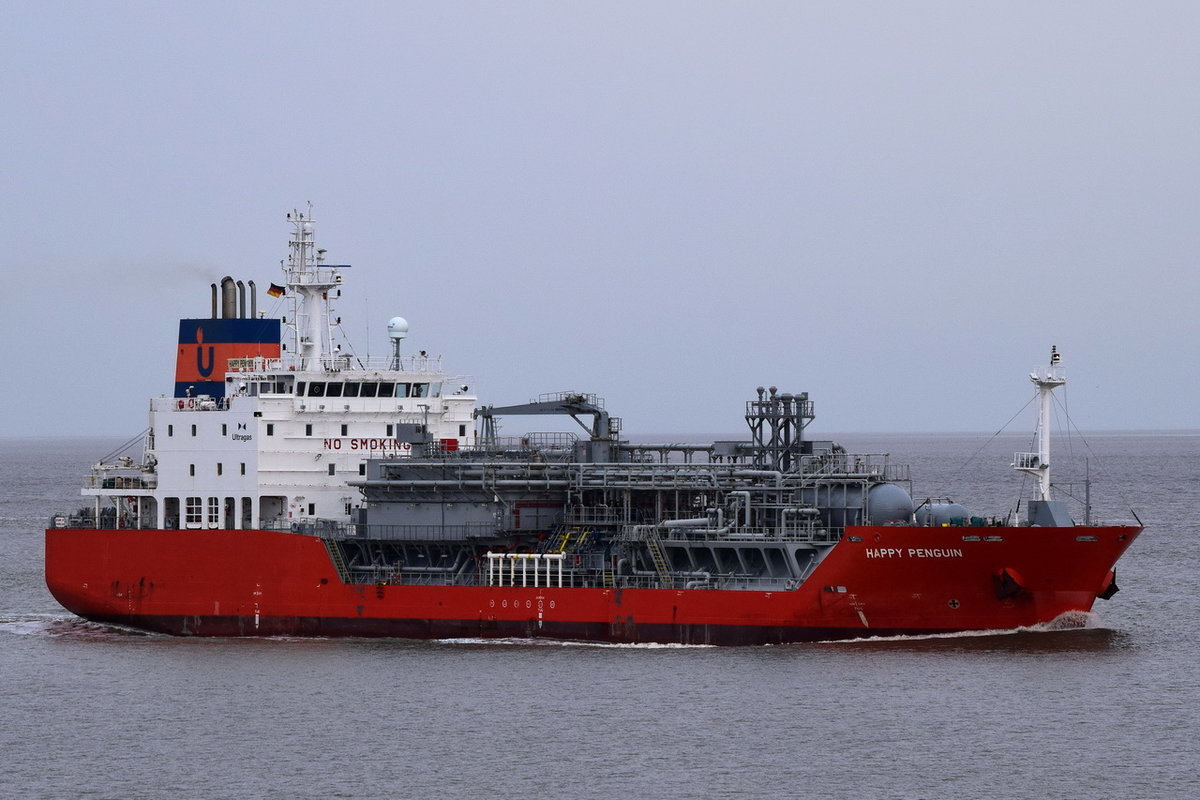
(339, 563)
(654, 545)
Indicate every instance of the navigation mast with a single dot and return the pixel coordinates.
(1047, 379)
(309, 282)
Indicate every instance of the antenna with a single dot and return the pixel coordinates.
(397, 332)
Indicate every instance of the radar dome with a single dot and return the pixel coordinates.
(397, 328)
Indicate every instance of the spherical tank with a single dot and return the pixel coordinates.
(887, 502)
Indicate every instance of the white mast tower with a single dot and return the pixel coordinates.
(1044, 510)
(309, 282)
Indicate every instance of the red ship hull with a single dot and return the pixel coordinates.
(877, 581)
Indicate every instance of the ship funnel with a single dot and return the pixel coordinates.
(214, 301)
(228, 298)
(241, 289)
(253, 300)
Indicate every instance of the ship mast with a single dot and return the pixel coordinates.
(309, 282)
(1046, 379)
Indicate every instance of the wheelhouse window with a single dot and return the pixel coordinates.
(333, 389)
(316, 389)
(402, 389)
(369, 389)
(350, 389)
(387, 389)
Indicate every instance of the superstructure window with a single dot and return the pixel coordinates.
(170, 430)
(402, 389)
(193, 430)
(299, 388)
(308, 429)
(333, 389)
(420, 390)
(345, 429)
(224, 429)
(214, 511)
(332, 468)
(192, 470)
(350, 389)
(387, 389)
(243, 467)
(369, 389)
(270, 429)
(316, 389)
(220, 468)
(192, 512)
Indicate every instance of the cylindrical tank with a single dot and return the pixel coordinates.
(841, 504)
(941, 512)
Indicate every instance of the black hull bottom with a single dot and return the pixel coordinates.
(616, 633)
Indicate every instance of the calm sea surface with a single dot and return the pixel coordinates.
(1108, 711)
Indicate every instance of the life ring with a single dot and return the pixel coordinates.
(181, 404)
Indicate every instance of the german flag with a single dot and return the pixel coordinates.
(275, 291)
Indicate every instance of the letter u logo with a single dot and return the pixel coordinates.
(204, 371)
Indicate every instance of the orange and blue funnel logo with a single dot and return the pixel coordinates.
(207, 345)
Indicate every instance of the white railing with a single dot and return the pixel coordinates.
(1027, 461)
(345, 361)
(536, 567)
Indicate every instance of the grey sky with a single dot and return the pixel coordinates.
(897, 207)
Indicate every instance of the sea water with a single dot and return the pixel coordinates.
(1111, 709)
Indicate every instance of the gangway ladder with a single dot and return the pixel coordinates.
(654, 545)
(610, 578)
(335, 555)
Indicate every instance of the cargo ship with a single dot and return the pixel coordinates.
(288, 487)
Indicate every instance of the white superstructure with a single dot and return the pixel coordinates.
(290, 431)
